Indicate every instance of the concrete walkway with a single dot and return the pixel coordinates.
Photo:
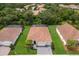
(44, 50)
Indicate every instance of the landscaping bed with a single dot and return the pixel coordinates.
(73, 51)
(72, 46)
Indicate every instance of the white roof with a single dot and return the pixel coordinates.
(5, 43)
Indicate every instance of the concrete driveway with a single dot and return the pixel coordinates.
(4, 50)
(44, 50)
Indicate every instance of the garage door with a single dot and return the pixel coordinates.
(43, 43)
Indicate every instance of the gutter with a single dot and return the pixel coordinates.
(61, 37)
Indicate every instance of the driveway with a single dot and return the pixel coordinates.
(4, 50)
(44, 50)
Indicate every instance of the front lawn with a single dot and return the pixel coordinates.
(58, 45)
(20, 46)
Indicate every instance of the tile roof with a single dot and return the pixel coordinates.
(68, 32)
(10, 33)
(39, 34)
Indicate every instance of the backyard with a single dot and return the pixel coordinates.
(20, 46)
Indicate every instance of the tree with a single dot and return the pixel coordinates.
(37, 21)
(12, 47)
(28, 17)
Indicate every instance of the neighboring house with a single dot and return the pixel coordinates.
(20, 9)
(39, 9)
(71, 6)
(9, 35)
(27, 7)
(40, 6)
(40, 34)
(67, 32)
(35, 12)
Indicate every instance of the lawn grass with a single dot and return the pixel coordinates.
(58, 45)
(20, 46)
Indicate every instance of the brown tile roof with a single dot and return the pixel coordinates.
(68, 32)
(4, 50)
(40, 6)
(39, 34)
(10, 33)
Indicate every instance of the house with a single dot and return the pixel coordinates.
(9, 35)
(35, 12)
(27, 7)
(40, 6)
(71, 6)
(66, 32)
(39, 9)
(20, 9)
(40, 35)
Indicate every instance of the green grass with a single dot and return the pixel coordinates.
(20, 46)
(58, 45)
(28, 42)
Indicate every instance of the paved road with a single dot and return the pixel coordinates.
(44, 50)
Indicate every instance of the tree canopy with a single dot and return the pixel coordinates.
(54, 14)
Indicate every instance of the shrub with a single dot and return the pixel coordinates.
(52, 46)
(72, 43)
(29, 42)
(12, 47)
(37, 21)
